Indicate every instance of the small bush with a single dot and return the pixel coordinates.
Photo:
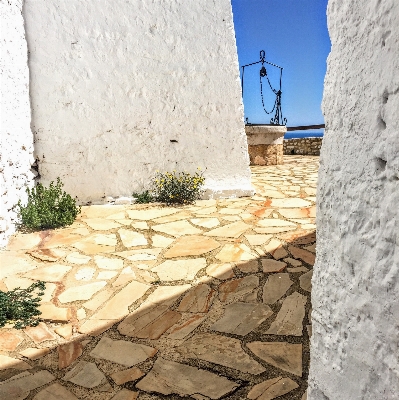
(144, 197)
(20, 307)
(48, 208)
(178, 188)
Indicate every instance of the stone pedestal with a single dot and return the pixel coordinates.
(265, 144)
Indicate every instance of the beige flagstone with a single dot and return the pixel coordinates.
(220, 271)
(65, 331)
(12, 263)
(289, 320)
(220, 350)
(197, 300)
(270, 265)
(55, 392)
(290, 203)
(97, 243)
(106, 275)
(237, 289)
(68, 353)
(191, 246)
(86, 374)
(171, 218)
(126, 275)
(293, 262)
(19, 386)
(139, 254)
(272, 222)
(178, 228)
(53, 313)
(275, 287)
(272, 388)
(40, 333)
(235, 230)
(100, 224)
(82, 292)
(302, 254)
(131, 238)
(258, 240)
(24, 241)
(100, 211)
(305, 281)
(206, 211)
(169, 377)
(179, 269)
(276, 249)
(85, 274)
(274, 229)
(151, 213)
(161, 241)
(7, 362)
(185, 327)
(108, 263)
(236, 252)
(33, 353)
(122, 352)
(77, 258)
(242, 318)
(98, 299)
(117, 307)
(51, 255)
(283, 355)
(139, 225)
(302, 212)
(205, 222)
(9, 341)
(127, 375)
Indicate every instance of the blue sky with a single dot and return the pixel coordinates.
(294, 35)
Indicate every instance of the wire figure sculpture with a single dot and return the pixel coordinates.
(278, 118)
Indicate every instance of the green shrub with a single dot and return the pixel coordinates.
(48, 208)
(19, 307)
(178, 188)
(144, 197)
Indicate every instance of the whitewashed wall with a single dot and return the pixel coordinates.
(113, 83)
(355, 343)
(16, 140)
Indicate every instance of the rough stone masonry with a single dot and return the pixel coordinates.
(355, 297)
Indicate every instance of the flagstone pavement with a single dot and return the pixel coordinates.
(205, 301)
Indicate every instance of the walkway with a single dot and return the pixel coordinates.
(142, 302)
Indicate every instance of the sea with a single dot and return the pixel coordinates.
(303, 134)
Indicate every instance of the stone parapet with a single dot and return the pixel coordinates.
(265, 144)
(303, 146)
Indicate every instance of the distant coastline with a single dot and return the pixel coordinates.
(303, 134)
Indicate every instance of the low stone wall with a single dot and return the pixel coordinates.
(265, 144)
(303, 146)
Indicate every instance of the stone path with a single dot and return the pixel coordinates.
(146, 302)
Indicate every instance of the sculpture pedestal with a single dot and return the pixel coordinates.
(265, 144)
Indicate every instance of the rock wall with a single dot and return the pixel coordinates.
(354, 347)
(16, 140)
(303, 146)
(120, 89)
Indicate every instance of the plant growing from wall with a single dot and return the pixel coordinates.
(19, 307)
(178, 188)
(48, 208)
(144, 197)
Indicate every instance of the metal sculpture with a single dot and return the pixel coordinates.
(278, 118)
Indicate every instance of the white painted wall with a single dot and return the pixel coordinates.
(113, 82)
(16, 140)
(355, 343)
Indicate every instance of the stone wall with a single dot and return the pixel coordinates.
(120, 89)
(303, 146)
(355, 295)
(16, 140)
(265, 144)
